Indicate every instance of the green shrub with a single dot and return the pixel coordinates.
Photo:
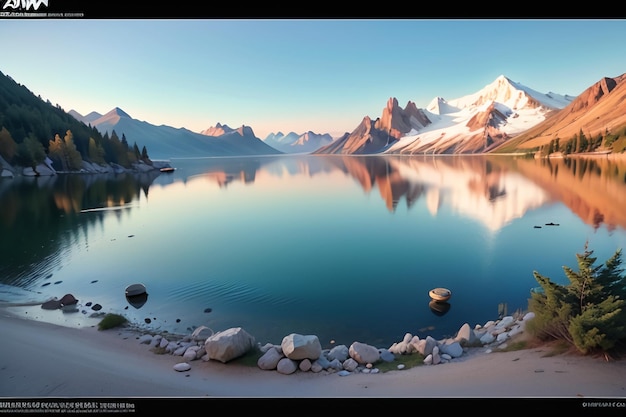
(409, 361)
(111, 320)
(590, 312)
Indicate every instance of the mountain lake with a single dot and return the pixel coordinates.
(343, 247)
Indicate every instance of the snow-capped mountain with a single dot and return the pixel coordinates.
(481, 121)
(475, 123)
(599, 109)
(164, 142)
(298, 143)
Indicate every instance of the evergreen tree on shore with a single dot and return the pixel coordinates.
(590, 312)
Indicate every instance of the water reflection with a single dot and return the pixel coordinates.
(593, 188)
(439, 308)
(40, 216)
(311, 240)
(492, 189)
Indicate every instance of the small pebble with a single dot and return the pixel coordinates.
(182, 367)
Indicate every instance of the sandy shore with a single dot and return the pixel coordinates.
(41, 360)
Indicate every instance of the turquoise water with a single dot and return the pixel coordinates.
(346, 248)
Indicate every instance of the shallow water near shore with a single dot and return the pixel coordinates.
(346, 248)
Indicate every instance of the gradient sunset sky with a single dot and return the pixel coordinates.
(296, 74)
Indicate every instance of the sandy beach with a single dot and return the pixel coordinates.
(42, 360)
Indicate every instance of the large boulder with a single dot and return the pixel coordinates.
(228, 345)
(467, 336)
(297, 347)
(364, 353)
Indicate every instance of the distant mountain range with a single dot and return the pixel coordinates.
(298, 143)
(164, 142)
(504, 116)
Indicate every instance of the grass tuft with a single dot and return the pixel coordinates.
(409, 361)
(111, 320)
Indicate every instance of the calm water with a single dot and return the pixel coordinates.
(346, 248)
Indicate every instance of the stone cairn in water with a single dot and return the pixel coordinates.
(304, 352)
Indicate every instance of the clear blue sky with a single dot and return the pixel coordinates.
(296, 75)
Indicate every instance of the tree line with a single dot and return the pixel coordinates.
(580, 143)
(32, 129)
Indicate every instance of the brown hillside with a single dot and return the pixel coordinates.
(600, 108)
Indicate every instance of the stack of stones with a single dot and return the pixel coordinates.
(304, 352)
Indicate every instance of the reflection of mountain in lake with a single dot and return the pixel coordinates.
(491, 189)
(379, 172)
(476, 187)
(594, 188)
(38, 213)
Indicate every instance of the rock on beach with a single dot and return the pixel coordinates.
(303, 353)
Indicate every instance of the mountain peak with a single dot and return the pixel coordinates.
(217, 130)
(510, 94)
(502, 78)
(118, 112)
(440, 106)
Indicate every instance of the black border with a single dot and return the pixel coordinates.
(191, 9)
(324, 406)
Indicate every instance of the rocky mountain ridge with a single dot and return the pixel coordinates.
(503, 112)
(599, 109)
(475, 123)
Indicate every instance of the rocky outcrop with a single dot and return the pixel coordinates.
(46, 169)
(397, 122)
(374, 136)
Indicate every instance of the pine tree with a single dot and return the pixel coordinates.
(136, 153)
(30, 152)
(590, 312)
(96, 152)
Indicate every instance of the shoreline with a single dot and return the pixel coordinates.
(39, 359)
